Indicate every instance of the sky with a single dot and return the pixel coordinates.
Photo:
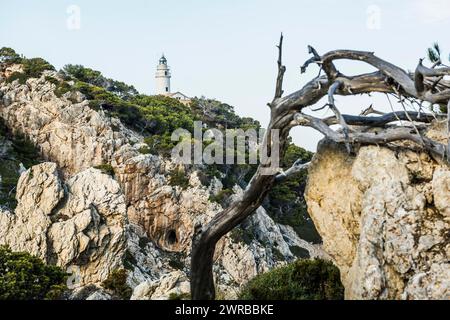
(224, 49)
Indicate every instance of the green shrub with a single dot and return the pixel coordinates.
(8, 55)
(144, 150)
(177, 177)
(95, 78)
(301, 280)
(129, 261)
(117, 284)
(32, 68)
(106, 169)
(241, 234)
(176, 263)
(25, 277)
(299, 252)
(22, 77)
(285, 202)
(21, 150)
(277, 255)
(179, 296)
(62, 88)
(52, 80)
(221, 196)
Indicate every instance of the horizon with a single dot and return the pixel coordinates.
(224, 51)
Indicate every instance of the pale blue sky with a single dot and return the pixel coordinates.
(223, 49)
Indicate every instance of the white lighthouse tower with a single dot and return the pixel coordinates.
(162, 77)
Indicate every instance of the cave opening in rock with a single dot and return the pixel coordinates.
(172, 237)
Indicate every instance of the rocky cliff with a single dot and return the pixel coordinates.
(384, 216)
(91, 221)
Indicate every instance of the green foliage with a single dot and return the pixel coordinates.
(25, 277)
(144, 150)
(299, 252)
(32, 68)
(62, 88)
(95, 78)
(19, 150)
(117, 284)
(218, 114)
(129, 261)
(100, 98)
(177, 177)
(301, 280)
(434, 53)
(285, 202)
(221, 196)
(21, 77)
(176, 263)
(277, 255)
(241, 234)
(143, 242)
(106, 169)
(8, 55)
(52, 80)
(179, 296)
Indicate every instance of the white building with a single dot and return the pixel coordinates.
(162, 78)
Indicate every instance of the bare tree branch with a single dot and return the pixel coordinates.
(448, 131)
(381, 120)
(286, 113)
(328, 66)
(297, 167)
(281, 70)
(379, 137)
(334, 87)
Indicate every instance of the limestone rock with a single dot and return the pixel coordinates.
(79, 225)
(72, 135)
(175, 283)
(91, 223)
(383, 217)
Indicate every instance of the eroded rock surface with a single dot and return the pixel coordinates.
(384, 219)
(92, 223)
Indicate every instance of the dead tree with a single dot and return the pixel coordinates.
(424, 85)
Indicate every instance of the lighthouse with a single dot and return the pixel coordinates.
(162, 77)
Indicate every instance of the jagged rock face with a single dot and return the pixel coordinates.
(173, 283)
(78, 224)
(384, 219)
(70, 134)
(168, 213)
(92, 223)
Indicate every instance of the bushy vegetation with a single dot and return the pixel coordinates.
(285, 202)
(301, 280)
(17, 150)
(8, 56)
(179, 296)
(156, 117)
(95, 78)
(177, 177)
(25, 277)
(32, 68)
(106, 169)
(221, 196)
(242, 234)
(116, 283)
